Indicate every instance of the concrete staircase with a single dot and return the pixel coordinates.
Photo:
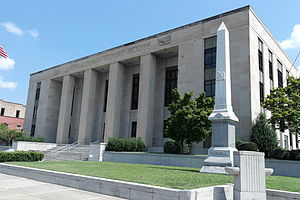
(68, 153)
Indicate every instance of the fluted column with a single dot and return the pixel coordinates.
(87, 106)
(146, 98)
(114, 100)
(65, 109)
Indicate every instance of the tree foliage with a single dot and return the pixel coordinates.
(8, 135)
(284, 104)
(264, 135)
(189, 118)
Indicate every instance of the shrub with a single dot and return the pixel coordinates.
(21, 156)
(29, 139)
(171, 146)
(295, 154)
(280, 153)
(125, 144)
(246, 146)
(264, 135)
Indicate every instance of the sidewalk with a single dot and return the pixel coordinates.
(17, 188)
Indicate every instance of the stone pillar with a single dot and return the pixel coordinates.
(65, 109)
(114, 100)
(223, 118)
(249, 175)
(146, 98)
(87, 106)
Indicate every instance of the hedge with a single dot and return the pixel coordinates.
(246, 146)
(29, 139)
(21, 156)
(125, 144)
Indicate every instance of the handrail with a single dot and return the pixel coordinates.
(68, 146)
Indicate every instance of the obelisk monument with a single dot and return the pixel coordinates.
(223, 118)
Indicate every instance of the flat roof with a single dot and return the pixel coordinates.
(152, 36)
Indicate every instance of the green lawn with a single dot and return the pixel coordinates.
(172, 177)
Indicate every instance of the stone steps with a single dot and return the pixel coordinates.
(75, 153)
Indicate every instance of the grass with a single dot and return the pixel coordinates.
(171, 177)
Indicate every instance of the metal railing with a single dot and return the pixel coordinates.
(66, 148)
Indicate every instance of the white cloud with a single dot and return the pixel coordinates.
(294, 40)
(7, 84)
(33, 32)
(7, 63)
(12, 28)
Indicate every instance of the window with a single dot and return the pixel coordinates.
(260, 55)
(35, 108)
(271, 70)
(291, 140)
(17, 113)
(2, 111)
(32, 130)
(286, 143)
(133, 129)
(105, 96)
(135, 91)
(287, 76)
(279, 71)
(103, 132)
(38, 91)
(261, 91)
(19, 127)
(210, 50)
(171, 83)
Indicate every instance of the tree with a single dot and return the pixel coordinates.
(189, 118)
(284, 104)
(264, 135)
(8, 135)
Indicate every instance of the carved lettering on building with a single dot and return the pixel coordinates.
(119, 54)
(164, 40)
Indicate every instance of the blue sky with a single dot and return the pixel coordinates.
(41, 34)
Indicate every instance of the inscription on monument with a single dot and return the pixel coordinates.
(220, 76)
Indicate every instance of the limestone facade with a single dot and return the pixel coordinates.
(93, 98)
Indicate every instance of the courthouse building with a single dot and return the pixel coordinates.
(125, 91)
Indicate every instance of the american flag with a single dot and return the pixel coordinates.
(3, 53)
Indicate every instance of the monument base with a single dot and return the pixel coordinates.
(218, 159)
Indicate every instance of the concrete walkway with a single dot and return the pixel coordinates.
(17, 188)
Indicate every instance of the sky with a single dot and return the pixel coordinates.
(41, 34)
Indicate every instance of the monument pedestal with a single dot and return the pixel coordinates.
(218, 159)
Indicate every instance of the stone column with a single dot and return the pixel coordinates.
(146, 98)
(87, 106)
(223, 118)
(65, 109)
(114, 100)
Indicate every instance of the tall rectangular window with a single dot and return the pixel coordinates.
(210, 59)
(17, 113)
(287, 77)
(105, 96)
(260, 55)
(35, 108)
(261, 91)
(279, 73)
(271, 70)
(135, 91)
(2, 111)
(133, 129)
(171, 83)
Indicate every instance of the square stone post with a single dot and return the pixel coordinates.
(146, 98)
(249, 175)
(65, 109)
(87, 106)
(114, 100)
